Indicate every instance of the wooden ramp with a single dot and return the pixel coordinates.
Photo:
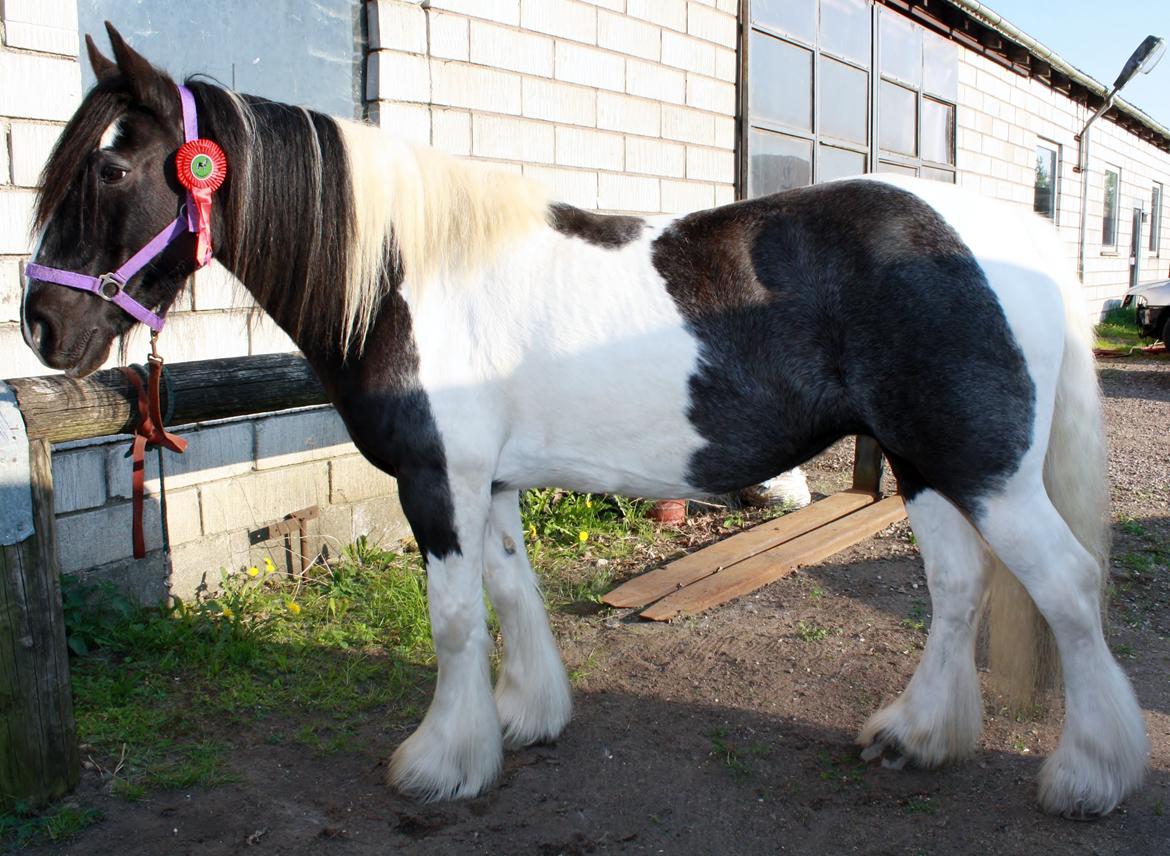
(757, 556)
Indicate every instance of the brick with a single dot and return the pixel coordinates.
(5, 175)
(265, 337)
(16, 357)
(679, 197)
(397, 26)
(335, 527)
(450, 37)
(726, 64)
(33, 86)
(559, 102)
(262, 498)
(724, 194)
(655, 157)
(213, 453)
(631, 115)
(381, 521)
(711, 24)
(298, 437)
(49, 26)
(199, 567)
(688, 53)
(590, 67)
(562, 18)
(511, 139)
(457, 85)
(216, 288)
(708, 94)
(504, 11)
(11, 291)
(16, 207)
(725, 132)
(451, 131)
(629, 36)
(405, 121)
(515, 51)
(692, 126)
(207, 335)
(710, 164)
(393, 76)
(576, 187)
(354, 479)
(627, 193)
(579, 147)
(655, 81)
(612, 5)
(79, 479)
(667, 13)
(91, 538)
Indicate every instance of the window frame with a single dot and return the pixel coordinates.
(1109, 247)
(1055, 148)
(1157, 200)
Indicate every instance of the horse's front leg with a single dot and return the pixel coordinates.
(457, 750)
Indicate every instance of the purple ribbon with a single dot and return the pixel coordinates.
(112, 286)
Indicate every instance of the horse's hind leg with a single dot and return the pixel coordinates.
(532, 691)
(1103, 748)
(939, 716)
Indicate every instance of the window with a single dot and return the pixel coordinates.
(1047, 179)
(287, 50)
(1109, 214)
(1156, 218)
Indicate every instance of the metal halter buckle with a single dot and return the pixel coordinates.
(109, 286)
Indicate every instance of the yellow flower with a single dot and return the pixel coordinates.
(582, 536)
(532, 531)
(253, 571)
(269, 567)
(294, 607)
(589, 503)
(226, 612)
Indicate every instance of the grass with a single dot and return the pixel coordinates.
(808, 632)
(1119, 329)
(22, 828)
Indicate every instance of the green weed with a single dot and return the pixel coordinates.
(811, 632)
(22, 828)
(1119, 329)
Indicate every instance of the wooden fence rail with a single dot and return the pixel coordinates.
(38, 737)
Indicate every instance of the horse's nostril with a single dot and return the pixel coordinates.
(37, 331)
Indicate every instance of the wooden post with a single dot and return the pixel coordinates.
(38, 738)
(867, 465)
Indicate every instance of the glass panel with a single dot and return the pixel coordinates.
(838, 163)
(778, 162)
(781, 82)
(287, 50)
(797, 17)
(897, 118)
(845, 29)
(844, 96)
(896, 168)
(938, 131)
(1155, 218)
(1109, 218)
(940, 66)
(1044, 201)
(901, 48)
(935, 174)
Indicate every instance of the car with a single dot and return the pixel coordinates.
(1152, 302)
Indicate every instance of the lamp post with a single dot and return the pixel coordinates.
(1141, 60)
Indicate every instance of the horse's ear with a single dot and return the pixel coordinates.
(148, 86)
(103, 69)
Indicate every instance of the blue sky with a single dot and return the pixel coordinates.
(1098, 38)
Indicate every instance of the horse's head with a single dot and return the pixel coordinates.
(107, 190)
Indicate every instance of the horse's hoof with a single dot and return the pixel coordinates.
(888, 749)
(431, 765)
(1079, 812)
(536, 716)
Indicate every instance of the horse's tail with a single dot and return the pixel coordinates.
(1021, 650)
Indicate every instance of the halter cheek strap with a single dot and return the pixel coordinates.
(195, 217)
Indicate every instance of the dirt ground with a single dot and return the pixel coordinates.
(733, 732)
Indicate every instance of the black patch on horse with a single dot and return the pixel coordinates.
(848, 308)
(603, 230)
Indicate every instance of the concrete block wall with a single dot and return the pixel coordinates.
(617, 105)
(236, 477)
(1002, 116)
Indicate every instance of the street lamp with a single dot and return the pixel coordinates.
(1141, 60)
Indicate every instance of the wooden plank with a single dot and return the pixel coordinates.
(38, 738)
(758, 571)
(58, 408)
(660, 582)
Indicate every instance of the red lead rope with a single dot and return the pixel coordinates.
(149, 431)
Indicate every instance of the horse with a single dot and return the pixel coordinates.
(479, 339)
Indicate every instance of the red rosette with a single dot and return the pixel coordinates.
(201, 166)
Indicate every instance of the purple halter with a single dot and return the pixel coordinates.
(112, 286)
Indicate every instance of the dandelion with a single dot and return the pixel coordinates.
(294, 607)
(269, 566)
(532, 531)
(253, 571)
(226, 612)
(582, 536)
(588, 503)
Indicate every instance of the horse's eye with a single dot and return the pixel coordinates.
(112, 174)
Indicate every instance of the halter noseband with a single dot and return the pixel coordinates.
(202, 168)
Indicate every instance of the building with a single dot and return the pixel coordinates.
(618, 105)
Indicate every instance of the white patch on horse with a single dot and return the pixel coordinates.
(110, 135)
